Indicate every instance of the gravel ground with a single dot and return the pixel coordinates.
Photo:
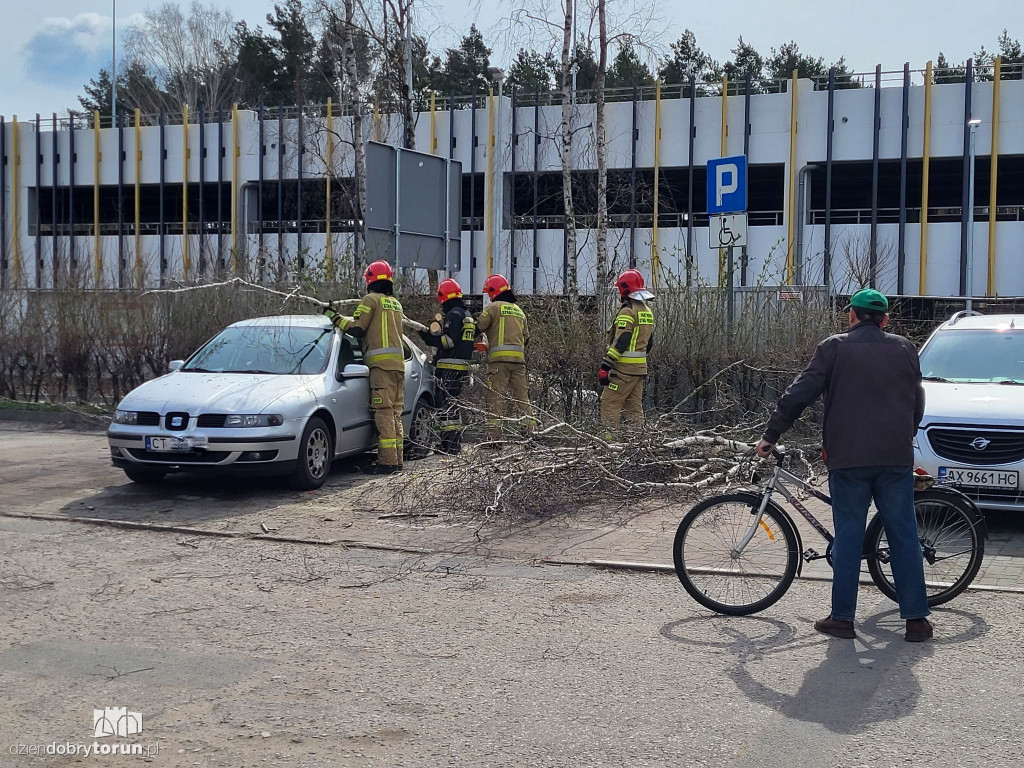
(247, 653)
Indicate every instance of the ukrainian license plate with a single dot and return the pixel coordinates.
(174, 444)
(980, 478)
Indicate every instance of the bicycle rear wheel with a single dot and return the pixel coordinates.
(717, 577)
(952, 537)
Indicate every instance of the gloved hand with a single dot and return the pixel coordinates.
(331, 313)
(603, 375)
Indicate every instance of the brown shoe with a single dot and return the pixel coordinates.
(835, 628)
(918, 630)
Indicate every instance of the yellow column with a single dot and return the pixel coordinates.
(329, 255)
(138, 198)
(97, 259)
(489, 192)
(433, 121)
(993, 176)
(655, 257)
(925, 162)
(185, 265)
(791, 202)
(15, 207)
(234, 188)
(725, 133)
(377, 130)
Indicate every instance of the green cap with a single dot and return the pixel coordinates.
(869, 299)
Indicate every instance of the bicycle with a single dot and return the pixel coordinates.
(748, 525)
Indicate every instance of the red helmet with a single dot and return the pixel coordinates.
(495, 285)
(449, 289)
(629, 282)
(378, 270)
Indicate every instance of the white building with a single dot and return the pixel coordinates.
(208, 173)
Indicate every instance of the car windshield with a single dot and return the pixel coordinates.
(264, 349)
(975, 356)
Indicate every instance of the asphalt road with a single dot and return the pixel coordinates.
(247, 653)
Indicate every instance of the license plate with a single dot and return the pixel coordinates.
(980, 478)
(174, 444)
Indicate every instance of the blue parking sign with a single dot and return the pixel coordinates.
(727, 185)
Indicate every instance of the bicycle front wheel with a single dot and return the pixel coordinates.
(718, 576)
(952, 537)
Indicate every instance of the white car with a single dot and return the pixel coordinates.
(973, 428)
(273, 395)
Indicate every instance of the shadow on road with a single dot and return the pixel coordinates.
(193, 498)
(840, 693)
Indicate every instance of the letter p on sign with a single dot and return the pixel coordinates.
(726, 181)
(727, 185)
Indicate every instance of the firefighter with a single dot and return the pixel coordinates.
(624, 367)
(507, 336)
(377, 324)
(452, 337)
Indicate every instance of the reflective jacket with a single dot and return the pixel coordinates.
(454, 344)
(630, 338)
(379, 316)
(507, 332)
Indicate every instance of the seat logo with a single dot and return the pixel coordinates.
(176, 422)
(980, 443)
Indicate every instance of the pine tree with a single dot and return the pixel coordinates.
(532, 71)
(628, 70)
(688, 60)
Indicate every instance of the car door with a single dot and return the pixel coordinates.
(413, 382)
(350, 401)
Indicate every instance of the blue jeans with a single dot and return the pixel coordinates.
(892, 488)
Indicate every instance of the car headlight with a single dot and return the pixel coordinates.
(126, 417)
(254, 420)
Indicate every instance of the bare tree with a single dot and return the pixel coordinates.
(565, 147)
(189, 55)
(601, 144)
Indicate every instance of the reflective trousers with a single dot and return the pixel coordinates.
(447, 390)
(387, 400)
(624, 396)
(507, 390)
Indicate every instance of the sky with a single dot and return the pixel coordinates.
(52, 47)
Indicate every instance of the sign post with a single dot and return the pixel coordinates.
(727, 208)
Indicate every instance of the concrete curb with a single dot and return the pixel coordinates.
(55, 419)
(627, 565)
(188, 530)
(611, 565)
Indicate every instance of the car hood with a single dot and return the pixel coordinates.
(989, 404)
(213, 392)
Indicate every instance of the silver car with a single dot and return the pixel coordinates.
(273, 395)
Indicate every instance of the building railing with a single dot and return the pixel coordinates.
(527, 98)
(935, 215)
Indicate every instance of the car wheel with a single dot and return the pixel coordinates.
(144, 475)
(316, 450)
(418, 441)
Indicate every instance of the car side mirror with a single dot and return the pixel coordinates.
(354, 371)
(175, 365)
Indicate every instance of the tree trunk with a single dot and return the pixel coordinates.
(565, 154)
(352, 95)
(602, 152)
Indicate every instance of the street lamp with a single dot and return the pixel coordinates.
(113, 61)
(972, 126)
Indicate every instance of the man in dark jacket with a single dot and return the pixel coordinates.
(874, 403)
(452, 337)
